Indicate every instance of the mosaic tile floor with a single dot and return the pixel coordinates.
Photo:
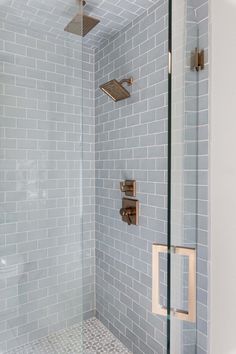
(96, 339)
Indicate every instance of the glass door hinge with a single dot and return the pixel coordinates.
(198, 60)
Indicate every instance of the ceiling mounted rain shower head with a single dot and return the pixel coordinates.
(81, 24)
(115, 90)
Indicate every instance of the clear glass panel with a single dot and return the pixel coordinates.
(184, 174)
(41, 152)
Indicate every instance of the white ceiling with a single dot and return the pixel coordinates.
(51, 16)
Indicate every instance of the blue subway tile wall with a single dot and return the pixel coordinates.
(41, 268)
(41, 95)
(131, 143)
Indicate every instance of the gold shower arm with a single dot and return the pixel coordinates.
(129, 81)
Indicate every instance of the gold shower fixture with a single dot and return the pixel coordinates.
(130, 211)
(81, 24)
(115, 90)
(128, 187)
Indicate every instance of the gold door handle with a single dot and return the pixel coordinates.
(157, 308)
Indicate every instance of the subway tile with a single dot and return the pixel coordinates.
(121, 153)
(33, 125)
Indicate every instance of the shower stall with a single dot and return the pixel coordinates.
(104, 176)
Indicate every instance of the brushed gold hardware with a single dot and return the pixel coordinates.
(81, 25)
(127, 213)
(128, 187)
(115, 90)
(129, 81)
(198, 60)
(157, 308)
(130, 211)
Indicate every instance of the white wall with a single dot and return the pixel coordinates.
(223, 176)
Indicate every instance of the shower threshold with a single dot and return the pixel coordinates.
(91, 337)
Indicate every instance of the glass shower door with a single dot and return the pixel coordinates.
(179, 255)
(183, 178)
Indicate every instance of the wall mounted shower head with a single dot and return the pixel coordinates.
(81, 24)
(115, 90)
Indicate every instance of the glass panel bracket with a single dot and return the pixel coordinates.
(198, 60)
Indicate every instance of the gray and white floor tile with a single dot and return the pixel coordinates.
(90, 338)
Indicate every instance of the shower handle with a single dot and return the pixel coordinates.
(127, 213)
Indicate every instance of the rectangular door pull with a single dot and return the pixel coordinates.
(157, 308)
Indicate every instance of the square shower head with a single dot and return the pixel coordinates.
(81, 25)
(115, 90)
